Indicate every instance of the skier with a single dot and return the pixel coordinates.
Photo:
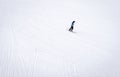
(71, 28)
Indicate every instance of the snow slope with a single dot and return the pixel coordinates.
(34, 41)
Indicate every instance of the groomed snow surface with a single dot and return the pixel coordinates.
(35, 41)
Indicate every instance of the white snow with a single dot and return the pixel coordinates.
(34, 41)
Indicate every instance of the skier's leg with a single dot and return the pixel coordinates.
(70, 29)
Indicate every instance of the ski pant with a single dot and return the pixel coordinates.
(71, 28)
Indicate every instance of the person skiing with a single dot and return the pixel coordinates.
(71, 28)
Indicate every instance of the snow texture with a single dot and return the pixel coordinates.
(35, 41)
